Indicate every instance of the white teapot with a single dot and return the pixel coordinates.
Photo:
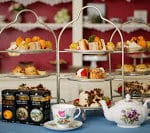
(127, 113)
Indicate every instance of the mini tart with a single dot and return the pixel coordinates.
(74, 45)
(110, 46)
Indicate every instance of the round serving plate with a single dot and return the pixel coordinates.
(27, 76)
(65, 75)
(118, 71)
(139, 55)
(3, 75)
(29, 51)
(134, 96)
(135, 50)
(89, 51)
(74, 78)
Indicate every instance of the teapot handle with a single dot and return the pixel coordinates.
(148, 118)
(145, 104)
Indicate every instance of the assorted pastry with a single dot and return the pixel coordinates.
(110, 46)
(96, 43)
(137, 43)
(91, 98)
(27, 70)
(142, 68)
(30, 43)
(91, 73)
(135, 88)
(134, 44)
(148, 45)
(139, 68)
(93, 43)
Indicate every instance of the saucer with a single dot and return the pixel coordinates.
(51, 125)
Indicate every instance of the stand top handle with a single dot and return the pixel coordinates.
(77, 17)
(37, 20)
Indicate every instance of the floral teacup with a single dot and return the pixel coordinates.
(64, 114)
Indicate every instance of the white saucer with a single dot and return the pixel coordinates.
(51, 125)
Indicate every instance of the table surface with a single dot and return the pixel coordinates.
(94, 123)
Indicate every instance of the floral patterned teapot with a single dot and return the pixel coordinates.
(127, 113)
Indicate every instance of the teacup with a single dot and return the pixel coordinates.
(64, 114)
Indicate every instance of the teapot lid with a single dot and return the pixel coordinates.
(128, 100)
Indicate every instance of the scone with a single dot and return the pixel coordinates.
(18, 70)
(141, 68)
(97, 73)
(128, 68)
(148, 66)
(31, 70)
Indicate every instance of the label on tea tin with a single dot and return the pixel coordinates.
(8, 97)
(22, 113)
(36, 115)
(22, 98)
(7, 114)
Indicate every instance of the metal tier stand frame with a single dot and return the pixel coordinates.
(109, 54)
(37, 21)
(134, 58)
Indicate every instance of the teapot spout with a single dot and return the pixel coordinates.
(106, 110)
